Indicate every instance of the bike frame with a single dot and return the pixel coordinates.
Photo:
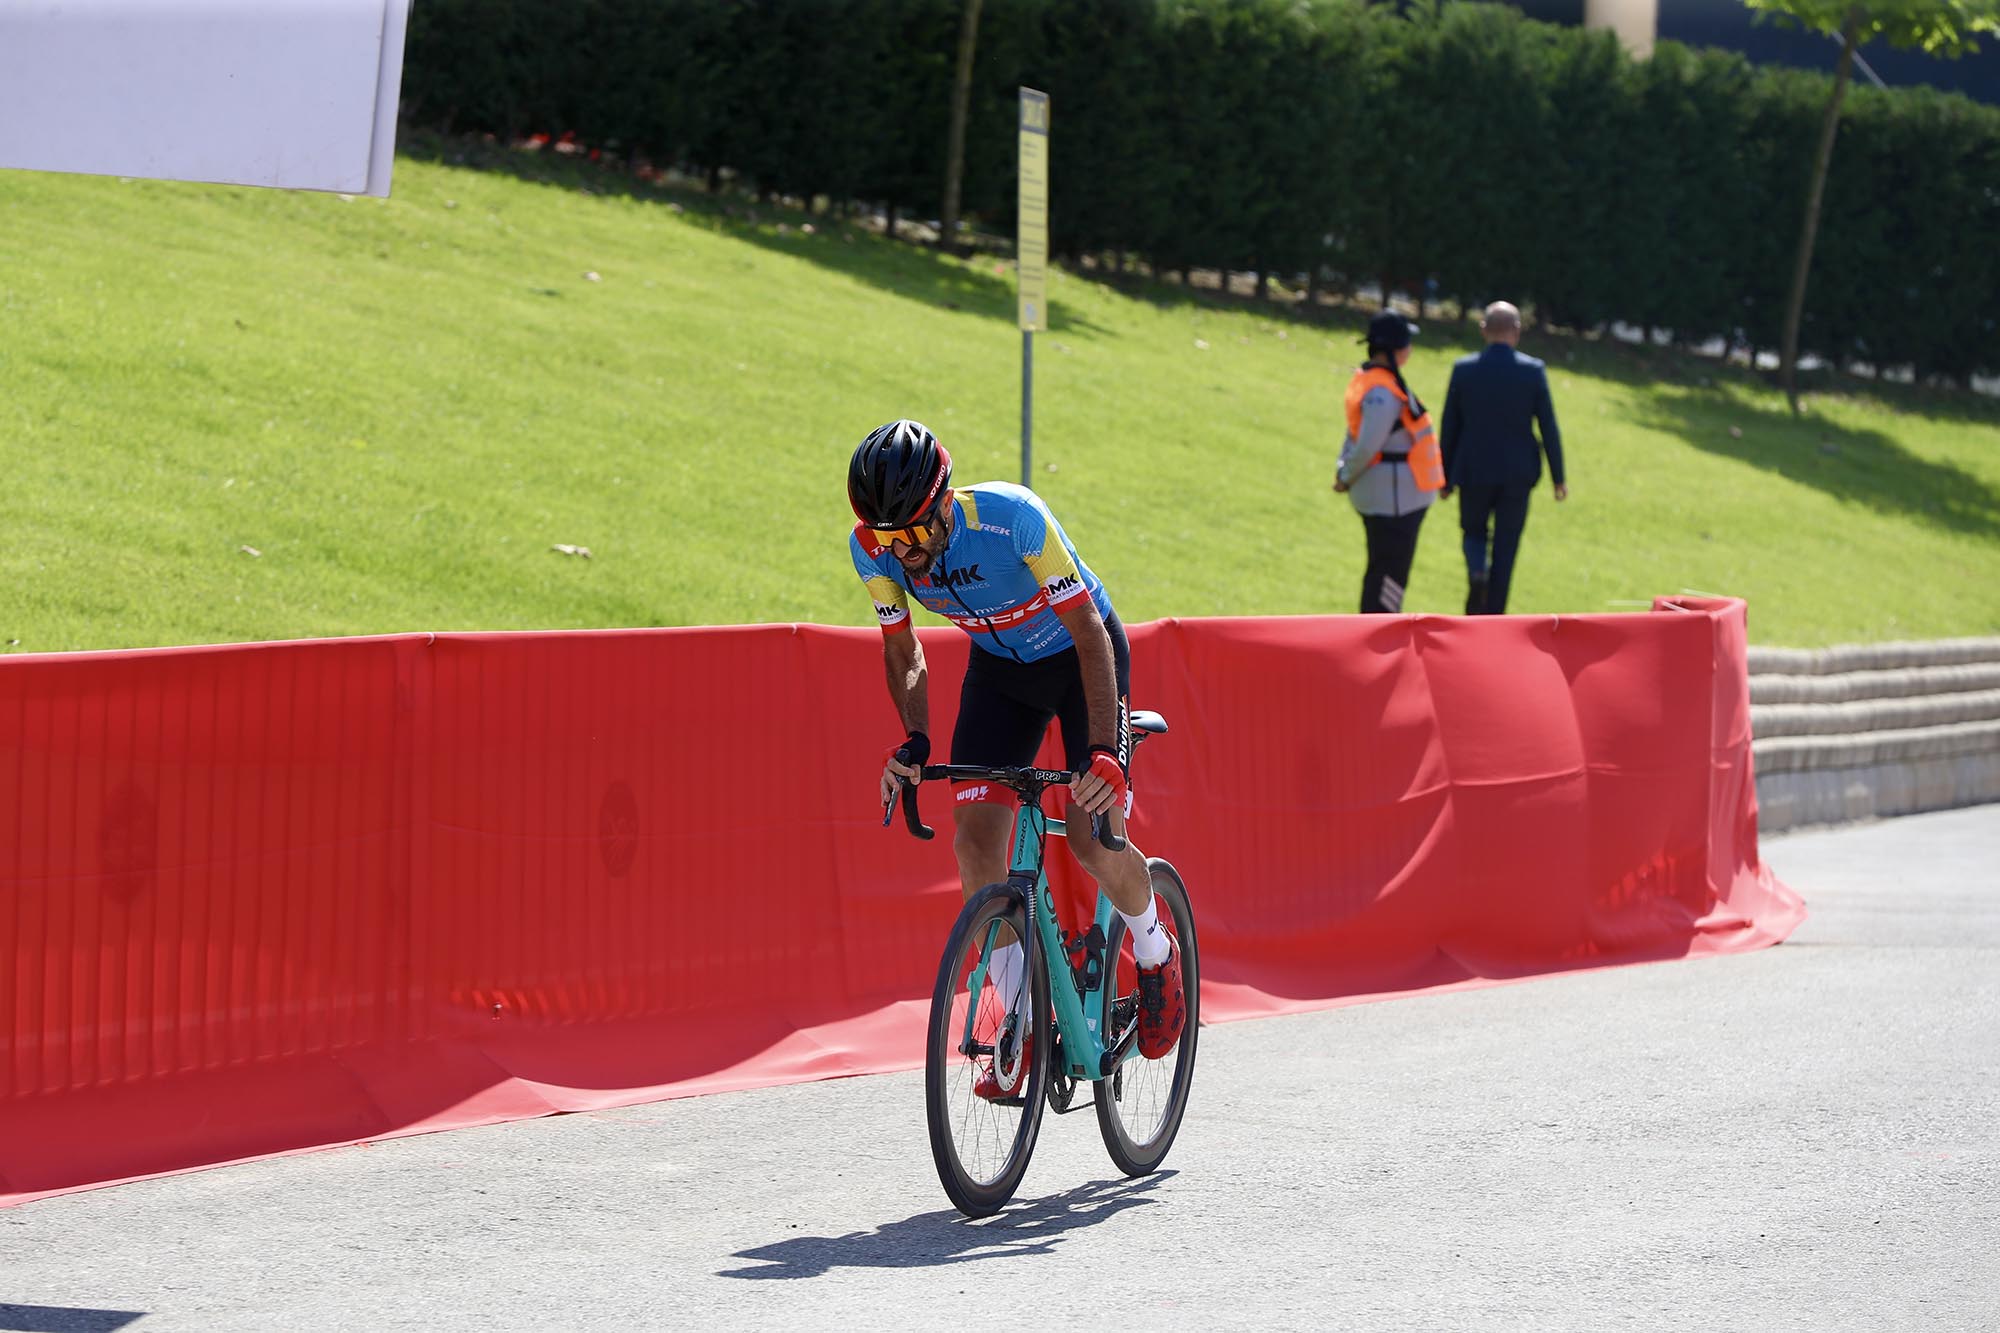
(1086, 1055)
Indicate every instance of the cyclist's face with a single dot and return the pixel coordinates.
(917, 557)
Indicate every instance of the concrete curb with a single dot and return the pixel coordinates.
(1862, 731)
(1845, 657)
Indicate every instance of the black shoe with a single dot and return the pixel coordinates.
(1475, 595)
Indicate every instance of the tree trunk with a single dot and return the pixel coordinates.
(1795, 304)
(961, 97)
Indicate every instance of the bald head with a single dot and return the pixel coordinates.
(1502, 323)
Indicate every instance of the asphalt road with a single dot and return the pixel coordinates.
(1806, 1137)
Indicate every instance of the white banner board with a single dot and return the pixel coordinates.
(297, 94)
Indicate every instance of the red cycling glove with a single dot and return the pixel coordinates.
(1104, 764)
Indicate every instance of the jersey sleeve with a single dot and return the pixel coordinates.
(1038, 540)
(892, 607)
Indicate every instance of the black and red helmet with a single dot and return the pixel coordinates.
(897, 475)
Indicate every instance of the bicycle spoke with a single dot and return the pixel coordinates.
(1142, 1104)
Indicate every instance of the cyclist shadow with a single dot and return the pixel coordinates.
(933, 1239)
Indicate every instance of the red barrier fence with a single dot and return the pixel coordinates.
(270, 897)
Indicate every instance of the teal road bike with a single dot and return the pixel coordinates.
(1081, 1002)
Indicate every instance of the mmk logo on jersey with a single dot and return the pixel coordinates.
(956, 578)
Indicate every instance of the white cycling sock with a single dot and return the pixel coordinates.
(1006, 971)
(1149, 942)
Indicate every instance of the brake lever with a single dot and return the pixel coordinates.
(916, 825)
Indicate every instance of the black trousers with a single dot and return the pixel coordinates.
(1392, 546)
(1491, 519)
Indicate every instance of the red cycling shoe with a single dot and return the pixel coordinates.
(1162, 1006)
(989, 1085)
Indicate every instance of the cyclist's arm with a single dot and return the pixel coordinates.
(909, 677)
(902, 655)
(1038, 542)
(1100, 668)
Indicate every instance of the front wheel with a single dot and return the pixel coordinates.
(981, 1146)
(1139, 1106)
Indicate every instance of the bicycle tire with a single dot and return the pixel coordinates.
(981, 1148)
(1140, 1105)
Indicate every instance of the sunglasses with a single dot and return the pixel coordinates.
(916, 534)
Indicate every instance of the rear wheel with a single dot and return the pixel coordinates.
(1140, 1105)
(981, 1147)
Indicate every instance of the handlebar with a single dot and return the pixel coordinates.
(1030, 783)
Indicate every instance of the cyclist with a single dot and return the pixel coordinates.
(992, 559)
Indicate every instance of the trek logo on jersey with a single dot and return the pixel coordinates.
(978, 624)
(955, 578)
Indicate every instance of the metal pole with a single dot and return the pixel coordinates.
(1027, 407)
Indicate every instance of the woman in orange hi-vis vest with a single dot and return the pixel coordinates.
(1390, 466)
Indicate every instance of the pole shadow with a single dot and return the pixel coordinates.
(934, 1239)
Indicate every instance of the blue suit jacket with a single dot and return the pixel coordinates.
(1496, 399)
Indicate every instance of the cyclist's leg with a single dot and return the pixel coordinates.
(1000, 724)
(1125, 877)
(1122, 875)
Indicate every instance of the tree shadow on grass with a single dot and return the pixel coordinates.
(982, 285)
(933, 1239)
(1858, 466)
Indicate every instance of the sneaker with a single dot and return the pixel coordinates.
(1162, 1007)
(989, 1085)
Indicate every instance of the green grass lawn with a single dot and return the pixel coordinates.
(402, 405)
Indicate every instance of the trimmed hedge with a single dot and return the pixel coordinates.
(1453, 150)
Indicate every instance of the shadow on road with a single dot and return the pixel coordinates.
(63, 1319)
(932, 1239)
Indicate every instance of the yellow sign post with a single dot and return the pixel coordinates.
(1031, 250)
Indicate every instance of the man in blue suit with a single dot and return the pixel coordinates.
(1491, 456)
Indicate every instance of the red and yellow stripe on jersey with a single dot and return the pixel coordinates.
(1006, 570)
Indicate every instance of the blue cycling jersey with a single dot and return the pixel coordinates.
(1005, 570)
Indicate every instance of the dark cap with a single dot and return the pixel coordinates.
(1390, 330)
